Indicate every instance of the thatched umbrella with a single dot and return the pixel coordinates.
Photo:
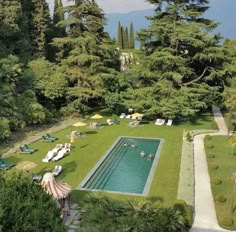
(58, 190)
(97, 116)
(136, 115)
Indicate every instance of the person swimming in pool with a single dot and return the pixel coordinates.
(150, 157)
(142, 153)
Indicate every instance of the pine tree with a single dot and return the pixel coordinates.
(131, 36)
(56, 18)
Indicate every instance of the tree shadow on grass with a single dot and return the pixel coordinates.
(193, 120)
(67, 168)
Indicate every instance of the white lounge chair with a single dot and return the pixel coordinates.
(48, 157)
(160, 122)
(109, 122)
(51, 153)
(128, 116)
(122, 115)
(169, 122)
(61, 154)
(57, 170)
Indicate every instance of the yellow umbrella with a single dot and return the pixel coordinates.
(137, 115)
(96, 116)
(79, 124)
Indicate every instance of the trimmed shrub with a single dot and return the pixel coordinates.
(226, 221)
(208, 137)
(217, 181)
(221, 198)
(210, 146)
(211, 156)
(189, 137)
(186, 210)
(214, 166)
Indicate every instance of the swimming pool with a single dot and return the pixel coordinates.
(123, 169)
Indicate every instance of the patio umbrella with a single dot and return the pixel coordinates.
(96, 116)
(58, 190)
(79, 124)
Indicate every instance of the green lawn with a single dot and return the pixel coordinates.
(91, 147)
(226, 161)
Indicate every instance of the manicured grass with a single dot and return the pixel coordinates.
(225, 160)
(91, 147)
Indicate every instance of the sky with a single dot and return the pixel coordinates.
(121, 6)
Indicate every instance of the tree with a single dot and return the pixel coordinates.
(181, 54)
(131, 36)
(24, 206)
(125, 38)
(39, 27)
(119, 36)
(87, 54)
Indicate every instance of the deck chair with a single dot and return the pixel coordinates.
(51, 137)
(110, 122)
(160, 122)
(57, 170)
(122, 115)
(23, 150)
(169, 122)
(47, 140)
(29, 148)
(4, 165)
(61, 154)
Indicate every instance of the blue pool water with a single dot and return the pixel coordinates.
(123, 169)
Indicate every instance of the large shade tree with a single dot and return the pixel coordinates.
(24, 206)
(87, 53)
(183, 68)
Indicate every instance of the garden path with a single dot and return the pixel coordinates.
(205, 215)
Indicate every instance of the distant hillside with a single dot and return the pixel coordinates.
(220, 11)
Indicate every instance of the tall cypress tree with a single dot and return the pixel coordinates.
(119, 36)
(131, 36)
(39, 27)
(55, 13)
(126, 38)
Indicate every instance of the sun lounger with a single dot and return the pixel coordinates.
(128, 116)
(29, 148)
(57, 170)
(169, 122)
(109, 122)
(122, 115)
(51, 137)
(23, 150)
(47, 140)
(160, 122)
(52, 152)
(134, 123)
(4, 165)
(61, 154)
(36, 177)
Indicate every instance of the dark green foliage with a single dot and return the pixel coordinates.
(189, 137)
(119, 36)
(186, 211)
(24, 206)
(214, 166)
(211, 156)
(183, 70)
(131, 36)
(110, 215)
(125, 38)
